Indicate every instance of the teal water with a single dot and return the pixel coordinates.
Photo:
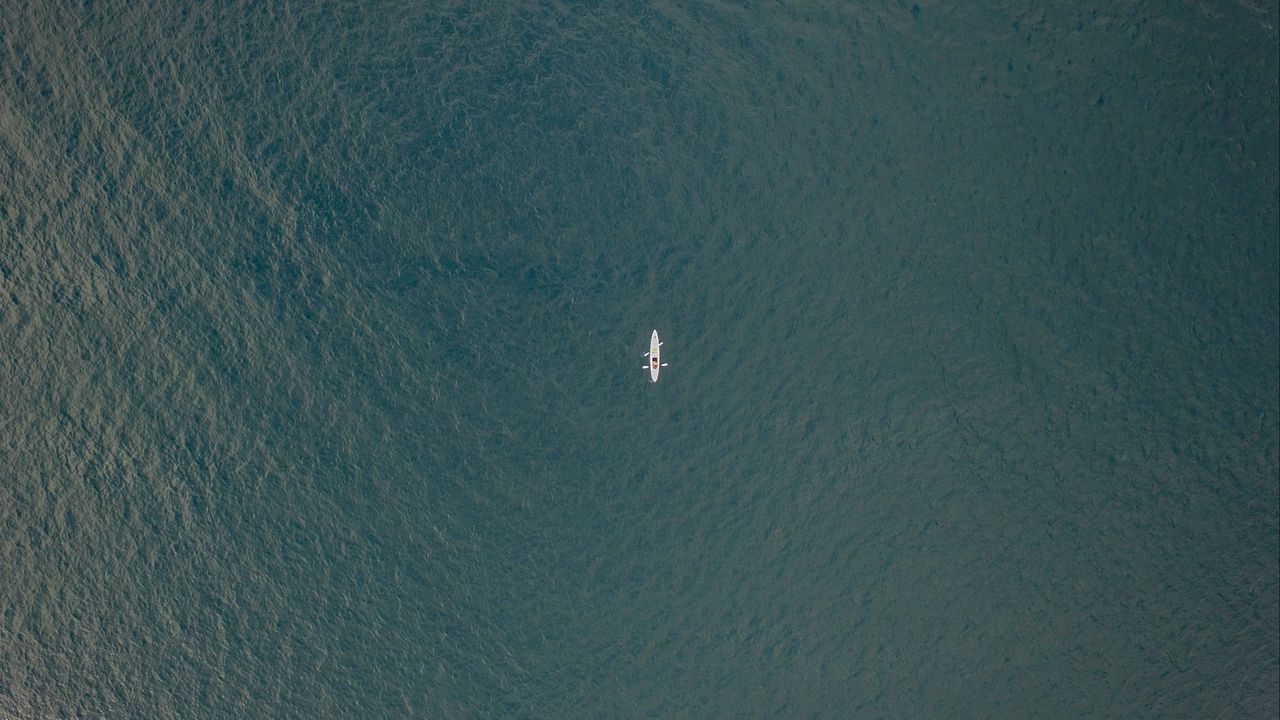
(320, 360)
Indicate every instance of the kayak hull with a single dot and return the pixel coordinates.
(655, 362)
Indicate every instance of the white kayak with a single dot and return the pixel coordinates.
(655, 357)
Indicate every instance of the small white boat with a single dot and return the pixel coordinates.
(654, 355)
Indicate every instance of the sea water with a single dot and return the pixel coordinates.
(321, 337)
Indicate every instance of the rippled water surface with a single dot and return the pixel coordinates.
(321, 388)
